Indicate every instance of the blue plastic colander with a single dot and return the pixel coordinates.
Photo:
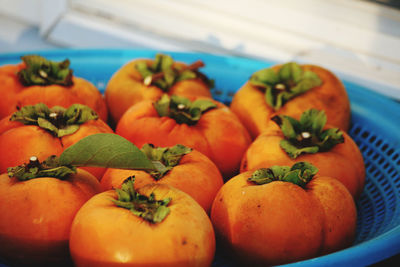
(375, 128)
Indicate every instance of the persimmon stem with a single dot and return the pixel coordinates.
(280, 86)
(194, 66)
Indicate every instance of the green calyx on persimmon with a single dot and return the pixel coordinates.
(181, 109)
(289, 82)
(307, 134)
(151, 210)
(50, 167)
(57, 120)
(165, 158)
(40, 71)
(163, 74)
(300, 174)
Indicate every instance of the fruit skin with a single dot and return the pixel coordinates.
(218, 134)
(184, 238)
(125, 88)
(36, 216)
(281, 222)
(195, 175)
(19, 142)
(249, 103)
(343, 162)
(15, 94)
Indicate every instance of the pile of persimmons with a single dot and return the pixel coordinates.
(155, 172)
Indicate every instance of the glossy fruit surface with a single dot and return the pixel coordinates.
(36, 216)
(281, 222)
(185, 237)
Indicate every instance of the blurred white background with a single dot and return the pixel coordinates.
(359, 40)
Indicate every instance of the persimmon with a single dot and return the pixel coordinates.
(38, 201)
(200, 123)
(42, 131)
(290, 89)
(310, 139)
(147, 79)
(283, 214)
(181, 167)
(38, 80)
(155, 225)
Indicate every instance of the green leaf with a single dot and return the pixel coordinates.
(290, 72)
(160, 214)
(79, 114)
(105, 150)
(264, 78)
(162, 105)
(313, 119)
(40, 71)
(330, 138)
(67, 130)
(143, 69)
(28, 115)
(289, 127)
(186, 75)
(300, 174)
(146, 207)
(173, 155)
(294, 151)
(203, 105)
(47, 125)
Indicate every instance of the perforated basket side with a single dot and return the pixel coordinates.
(378, 209)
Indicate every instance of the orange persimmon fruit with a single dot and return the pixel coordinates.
(183, 168)
(202, 124)
(38, 202)
(283, 214)
(148, 79)
(155, 225)
(288, 140)
(42, 131)
(38, 80)
(290, 89)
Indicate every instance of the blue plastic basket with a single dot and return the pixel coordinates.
(374, 119)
